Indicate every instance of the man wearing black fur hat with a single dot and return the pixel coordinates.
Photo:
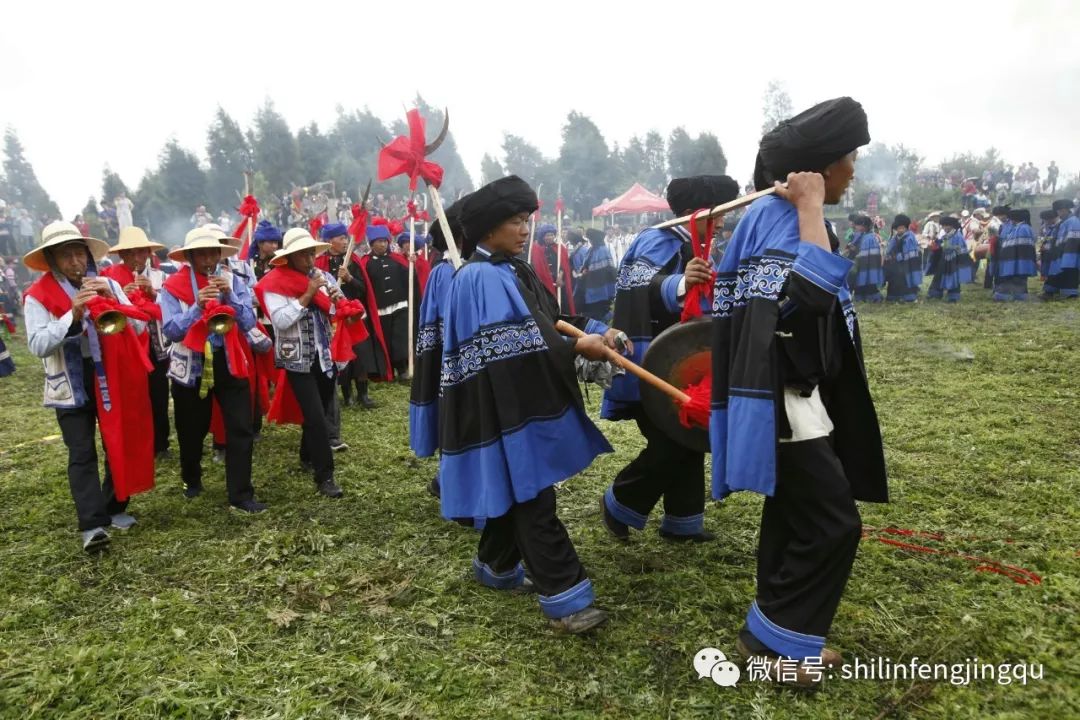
(653, 279)
(792, 417)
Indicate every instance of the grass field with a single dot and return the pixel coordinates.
(366, 607)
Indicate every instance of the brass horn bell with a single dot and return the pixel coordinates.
(110, 322)
(220, 323)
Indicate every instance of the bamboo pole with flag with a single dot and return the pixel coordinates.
(407, 155)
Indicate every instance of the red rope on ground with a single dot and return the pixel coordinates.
(1018, 575)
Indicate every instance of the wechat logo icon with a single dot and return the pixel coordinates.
(711, 663)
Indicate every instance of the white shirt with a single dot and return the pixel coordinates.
(806, 415)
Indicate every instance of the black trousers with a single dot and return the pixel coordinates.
(193, 423)
(159, 403)
(532, 532)
(95, 501)
(395, 327)
(663, 468)
(314, 393)
(810, 531)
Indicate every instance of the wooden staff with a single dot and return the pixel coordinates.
(250, 221)
(558, 250)
(630, 366)
(719, 209)
(532, 226)
(451, 246)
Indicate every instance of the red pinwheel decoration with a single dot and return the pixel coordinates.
(406, 155)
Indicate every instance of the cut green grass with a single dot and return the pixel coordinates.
(365, 607)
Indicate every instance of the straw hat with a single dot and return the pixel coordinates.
(225, 237)
(297, 239)
(204, 237)
(58, 233)
(133, 238)
(934, 213)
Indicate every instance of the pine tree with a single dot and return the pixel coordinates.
(22, 182)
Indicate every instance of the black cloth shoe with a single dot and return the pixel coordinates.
(250, 506)
(306, 464)
(620, 530)
(433, 488)
(366, 402)
(330, 489)
(192, 491)
(701, 537)
(579, 622)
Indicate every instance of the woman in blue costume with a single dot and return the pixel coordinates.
(1015, 258)
(597, 283)
(949, 263)
(903, 262)
(865, 250)
(792, 417)
(1063, 275)
(512, 422)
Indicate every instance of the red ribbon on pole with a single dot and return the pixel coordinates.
(249, 211)
(358, 227)
(315, 226)
(412, 212)
(702, 246)
(405, 156)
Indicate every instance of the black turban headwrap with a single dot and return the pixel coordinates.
(453, 217)
(573, 237)
(700, 191)
(1020, 215)
(1065, 204)
(1047, 215)
(494, 204)
(1000, 210)
(901, 221)
(595, 236)
(950, 221)
(811, 141)
(864, 221)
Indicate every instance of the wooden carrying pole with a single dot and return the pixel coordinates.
(719, 209)
(631, 367)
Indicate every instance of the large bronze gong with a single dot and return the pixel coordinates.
(682, 355)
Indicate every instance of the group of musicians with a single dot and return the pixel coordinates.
(201, 333)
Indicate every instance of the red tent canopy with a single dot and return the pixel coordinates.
(635, 200)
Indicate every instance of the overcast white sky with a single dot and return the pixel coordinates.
(87, 84)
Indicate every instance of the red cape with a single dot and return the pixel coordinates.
(323, 263)
(538, 260)
(129, 448)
